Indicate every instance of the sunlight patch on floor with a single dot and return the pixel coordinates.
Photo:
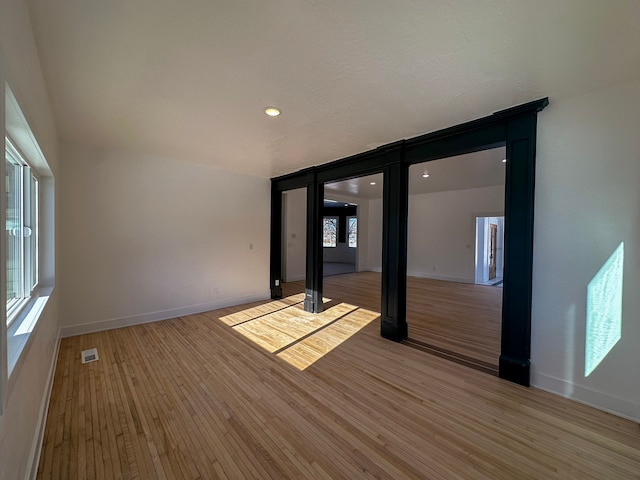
(313, 348)
(298, 337)
(260, 310)
(284, 327)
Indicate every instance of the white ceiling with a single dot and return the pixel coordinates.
(473, 170)
(189, 79)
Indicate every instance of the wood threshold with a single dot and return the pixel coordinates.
(453, 356)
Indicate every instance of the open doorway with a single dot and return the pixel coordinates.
(339, 237)
(489, 250)
(351, 218)
(454, 256)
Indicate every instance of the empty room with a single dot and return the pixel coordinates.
(299, 239)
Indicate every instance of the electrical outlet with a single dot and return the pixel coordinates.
(216, 290)
(251, 246)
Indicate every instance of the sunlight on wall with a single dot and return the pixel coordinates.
(604, 311)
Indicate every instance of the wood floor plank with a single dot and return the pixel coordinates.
(284, 327)
(260, 310)
(194, 398)
(308, 351)
(457, 317)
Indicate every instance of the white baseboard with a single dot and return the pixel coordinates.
(413, 273)
(593, 398)
(110, 324)
(433, 276)
(296, 278)
(36, 447)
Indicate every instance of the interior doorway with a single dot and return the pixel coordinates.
(489, 261)
(339, 236)
(352, 218)
(454, 257)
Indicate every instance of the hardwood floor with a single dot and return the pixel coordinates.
(455, 317)
(194, 397)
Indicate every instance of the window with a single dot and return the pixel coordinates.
(352, 231)
(329, 232)
(21, 231)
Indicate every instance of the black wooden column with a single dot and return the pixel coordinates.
(518, 249)
(313, 288)
(394, 247)
(276, 242)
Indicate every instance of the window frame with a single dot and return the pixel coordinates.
(26, 186)
(352, 217)
(336, 222)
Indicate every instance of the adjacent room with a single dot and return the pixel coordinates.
(320, 239)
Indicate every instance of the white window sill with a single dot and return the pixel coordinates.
(19, 333)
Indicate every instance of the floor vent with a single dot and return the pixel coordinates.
(90, 355)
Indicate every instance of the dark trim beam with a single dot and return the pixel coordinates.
(394, 248)
(518, 249)
(514, 127)
(313, 284)
(276, 240)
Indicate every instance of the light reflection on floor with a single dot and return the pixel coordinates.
(300, 338)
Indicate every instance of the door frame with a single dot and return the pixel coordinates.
(514, 128)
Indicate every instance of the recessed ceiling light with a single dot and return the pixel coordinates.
(272, 111)
(425, 174)
(372, 183)
(504, 160)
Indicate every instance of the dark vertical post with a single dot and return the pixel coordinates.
(313, 289)
(276, 243)
(518, 249)
(394, 247)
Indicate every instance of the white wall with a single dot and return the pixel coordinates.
(341, 253)
(295, 234)
(587, 202)
(149, 238)
(374, 235)
(441, 240)
(28, 385)
(442, 233)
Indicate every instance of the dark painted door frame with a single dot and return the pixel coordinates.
(514, 128)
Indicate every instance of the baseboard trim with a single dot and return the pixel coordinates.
(36, 448)
(295, 278)
(445, 278)
(586, 396)
(110, 324)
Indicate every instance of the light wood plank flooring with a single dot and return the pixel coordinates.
(456, 317)
(194, 398)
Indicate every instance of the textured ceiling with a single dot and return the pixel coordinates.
(473, 170)
(189, 79)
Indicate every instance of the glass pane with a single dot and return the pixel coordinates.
(13, 231)
(329, 232)
(353, 232)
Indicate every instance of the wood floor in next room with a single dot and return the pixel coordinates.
(268, 391)
(460, 318)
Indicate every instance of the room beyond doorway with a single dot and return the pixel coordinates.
(455, 256)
